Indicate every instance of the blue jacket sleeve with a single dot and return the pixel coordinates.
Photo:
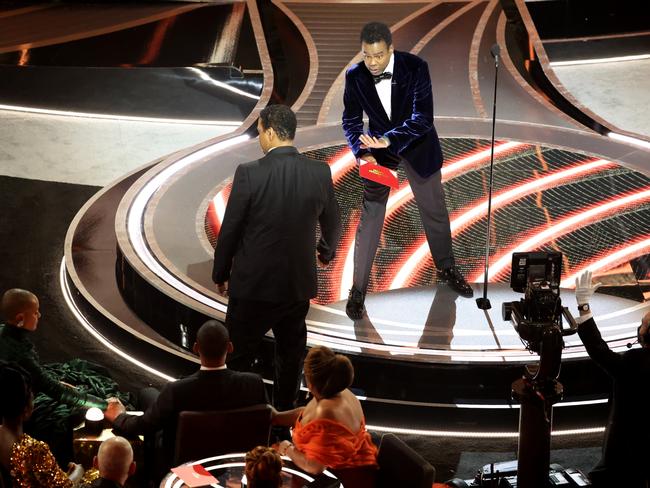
(352, 119)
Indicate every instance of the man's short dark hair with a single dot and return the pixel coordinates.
(376, 32)
(281, 119)
(213, 339)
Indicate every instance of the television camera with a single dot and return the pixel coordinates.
(537, 317)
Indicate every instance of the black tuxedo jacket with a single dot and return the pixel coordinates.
(410, 129)
(222, 389)
(266, 247)
(628, 431)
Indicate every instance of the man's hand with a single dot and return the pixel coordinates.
(222, 288)
(114, 409)
(320, 263)
(367, 158)
(371, 142)
(584, 288)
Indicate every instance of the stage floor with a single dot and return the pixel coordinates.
(558, 187)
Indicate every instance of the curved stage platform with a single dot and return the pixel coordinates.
(425, 359)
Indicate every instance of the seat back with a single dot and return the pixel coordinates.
(399, 465)
(212, 433)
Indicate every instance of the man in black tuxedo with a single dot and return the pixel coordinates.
(213, 387)
(265, 259)
(625, 450)
(394, 90)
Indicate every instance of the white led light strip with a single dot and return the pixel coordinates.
(206, 77)
(480, 435)
(631, 140)
(615, 59)
(67, 295)
(126, 118)
(135, 218)
(441, 433)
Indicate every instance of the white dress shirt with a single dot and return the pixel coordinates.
(384, 88)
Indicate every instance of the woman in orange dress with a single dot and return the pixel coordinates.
(330, 433)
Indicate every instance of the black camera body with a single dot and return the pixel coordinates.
(537, 275)
(537, 317)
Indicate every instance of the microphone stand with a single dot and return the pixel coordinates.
(484, 302)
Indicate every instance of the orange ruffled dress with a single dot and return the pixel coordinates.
(334, 445)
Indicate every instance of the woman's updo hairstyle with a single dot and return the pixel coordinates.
(16, 388)
(263, 467)
(327, 372)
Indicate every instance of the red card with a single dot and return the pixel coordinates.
(379, 174)
(194, 475)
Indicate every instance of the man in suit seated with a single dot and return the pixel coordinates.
(212, 387)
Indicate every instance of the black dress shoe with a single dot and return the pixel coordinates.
(355, 307)
(453, 277)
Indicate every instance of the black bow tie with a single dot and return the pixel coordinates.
(386, 75)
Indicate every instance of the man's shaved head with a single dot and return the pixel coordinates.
(15, 301)
(114, 459)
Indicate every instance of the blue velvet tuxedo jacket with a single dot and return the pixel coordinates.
(410, 129)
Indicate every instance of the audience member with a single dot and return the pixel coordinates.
(263, 468)
(114, 463)
(331, 432)
(213, 387)
(20, 309)
(25, 461)
(57, 404)
(624, 458)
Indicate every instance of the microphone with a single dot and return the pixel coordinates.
(495, 51)
(630, 344)
(483, 303)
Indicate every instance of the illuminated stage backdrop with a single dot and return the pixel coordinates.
(594, 211)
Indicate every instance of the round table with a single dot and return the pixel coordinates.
(229, 470)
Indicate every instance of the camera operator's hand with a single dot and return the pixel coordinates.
(585, 288)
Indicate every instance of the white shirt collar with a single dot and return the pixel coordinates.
(206, 368)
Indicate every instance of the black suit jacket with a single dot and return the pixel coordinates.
(410, 127)
(627, 435)
(267, 244)
(204, 390)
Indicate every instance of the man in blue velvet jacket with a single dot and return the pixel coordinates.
(394, 90)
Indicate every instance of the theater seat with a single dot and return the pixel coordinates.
(399, 465)
(204, 434)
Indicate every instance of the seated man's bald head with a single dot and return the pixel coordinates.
(115, 459)
(15, 301)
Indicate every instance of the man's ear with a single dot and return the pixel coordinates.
(195, 348)
(132, 468)
(230, 348)
(95, 462)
